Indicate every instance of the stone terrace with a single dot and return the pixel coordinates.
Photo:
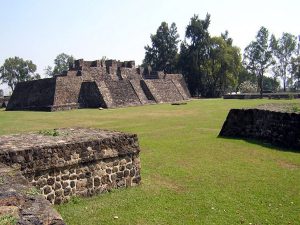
(66, 162)
(277, 127)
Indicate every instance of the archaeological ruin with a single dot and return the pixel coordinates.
(278, 127)
(100, 83)
(63, 163)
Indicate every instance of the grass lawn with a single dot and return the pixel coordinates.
(189, 175)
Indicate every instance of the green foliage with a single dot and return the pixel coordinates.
(258, 56)
(295, 70)
(194, 53)
(221, 68)
(270, 84)
(75, 200)
(283, 50)
(162, 54)
(210, 64)
(62, 63)
(16, 69)
(245, 75)
(290, 96)
(32, 192)
(295, 108)
(8, 220)
(248, 87)
(53, 132)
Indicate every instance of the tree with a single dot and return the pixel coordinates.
(210, 64)
(270, 84)
(162, 54)
(258, 56)
(222, 67)
(247, 87)
(194, 52)
(283, 50)
(16, 69)
(62, 63)
(245, 75)
(296, 71)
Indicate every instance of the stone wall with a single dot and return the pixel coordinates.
(74, 161)
(90, 96)
(163, 90)
(33, 95)
(67, 92)
(265, 95)
(122, 93)
(278, 128)
(136, 85)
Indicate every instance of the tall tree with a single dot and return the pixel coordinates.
(194, 52)
(61, 64)
(258, 56)
(210, 65)
(296, 71)
(16, 69)
(162, 54)
(222, 67)
(283, 50)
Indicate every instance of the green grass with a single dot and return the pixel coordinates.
(189, 175)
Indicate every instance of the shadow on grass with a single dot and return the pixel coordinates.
(264, 143)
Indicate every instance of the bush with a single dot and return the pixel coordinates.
(248, 87)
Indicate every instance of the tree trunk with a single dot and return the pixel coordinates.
(284, 79)
(261, 84)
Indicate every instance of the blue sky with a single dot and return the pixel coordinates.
(119, 29)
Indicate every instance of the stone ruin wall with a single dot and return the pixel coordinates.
(19, 200)
(279, 128)
(77, 162)
(265, 95)
(164, 90)
(33, 95)
(67, 92)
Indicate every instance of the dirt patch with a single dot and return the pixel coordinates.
(287, 165)
(281, 107)
(167, 183)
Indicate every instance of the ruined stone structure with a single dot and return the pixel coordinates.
(74, 162)
(92, 84)
(278, 128)
(20, 202)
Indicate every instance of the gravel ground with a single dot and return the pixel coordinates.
(281, 107)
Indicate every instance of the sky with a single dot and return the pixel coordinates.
(119, 29)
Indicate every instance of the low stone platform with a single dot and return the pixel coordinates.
(284, 95)
(20, 203)
(67, 162)
(276, 127)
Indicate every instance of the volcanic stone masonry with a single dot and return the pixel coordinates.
(278, 128)
(21, 203)
(69, 162)
(93, 84)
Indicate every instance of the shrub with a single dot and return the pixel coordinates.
(248, 87)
